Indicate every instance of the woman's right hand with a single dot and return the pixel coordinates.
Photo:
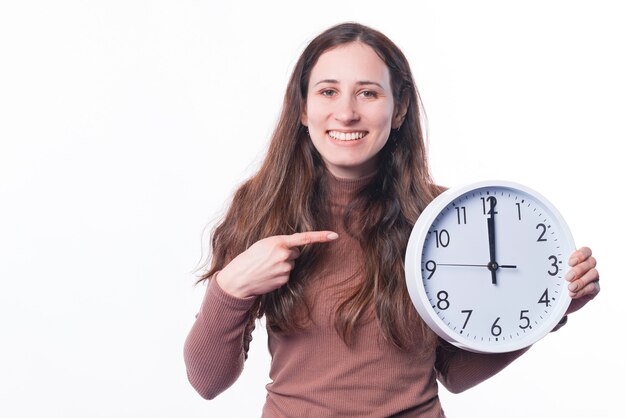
(266, 264)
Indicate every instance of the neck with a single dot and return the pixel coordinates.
(343, 190)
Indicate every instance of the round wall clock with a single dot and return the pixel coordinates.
(485, 266)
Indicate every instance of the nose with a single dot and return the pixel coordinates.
(346, 111)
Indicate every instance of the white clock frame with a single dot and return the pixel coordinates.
(414, 266)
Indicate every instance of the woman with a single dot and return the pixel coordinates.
(315, 241)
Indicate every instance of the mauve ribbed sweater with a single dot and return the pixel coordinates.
(313, 373)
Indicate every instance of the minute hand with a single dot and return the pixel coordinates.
(491, 230)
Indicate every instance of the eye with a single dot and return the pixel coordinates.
(369, 94)
(328, 92)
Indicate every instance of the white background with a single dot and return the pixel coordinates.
(126, 125)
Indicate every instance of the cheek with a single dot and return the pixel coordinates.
(384, 116)
(317, 139)
(314, 114)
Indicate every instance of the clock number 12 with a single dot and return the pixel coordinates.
(492, 205)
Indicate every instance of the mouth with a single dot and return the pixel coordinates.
(347, 136)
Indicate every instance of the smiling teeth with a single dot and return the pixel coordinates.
(342, 136)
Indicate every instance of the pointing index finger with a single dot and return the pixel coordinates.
(303, 238)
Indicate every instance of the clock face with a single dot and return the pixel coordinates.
(486, 264)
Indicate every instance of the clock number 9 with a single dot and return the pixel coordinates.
(442, 300)
(555, 265)
(431, 266)
(496, 329)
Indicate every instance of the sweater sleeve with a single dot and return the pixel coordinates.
(459, 370)
(214, 349)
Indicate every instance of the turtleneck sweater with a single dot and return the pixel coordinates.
(313, 372)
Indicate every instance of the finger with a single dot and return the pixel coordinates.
(590, 291)
(293, 253)
(285, 267)
(580, 269)
(579, 255)
(589, 277)
(279, 281)
(303, 238)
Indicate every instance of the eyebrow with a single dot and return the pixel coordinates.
(360, 83)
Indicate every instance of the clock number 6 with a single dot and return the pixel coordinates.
(496, 329)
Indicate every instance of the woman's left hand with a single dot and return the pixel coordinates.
(583, 278)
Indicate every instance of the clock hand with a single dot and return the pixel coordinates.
(462, 265)
(491, 230)
(503, 266)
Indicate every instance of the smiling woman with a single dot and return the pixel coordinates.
(350, 109)
(315, 242)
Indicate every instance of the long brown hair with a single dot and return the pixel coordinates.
(283, 197)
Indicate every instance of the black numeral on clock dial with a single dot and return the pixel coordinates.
(490, 207)
(442, 300)
(461, 215)
(469, 313)
(543, 232)
(554, 264)
(524, 318)
(431, 267)
(442, 237)
(496, 329)
(544, 298)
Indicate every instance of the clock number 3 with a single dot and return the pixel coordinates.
(555, 265)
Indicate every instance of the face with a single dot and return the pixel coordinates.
(350, 109)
